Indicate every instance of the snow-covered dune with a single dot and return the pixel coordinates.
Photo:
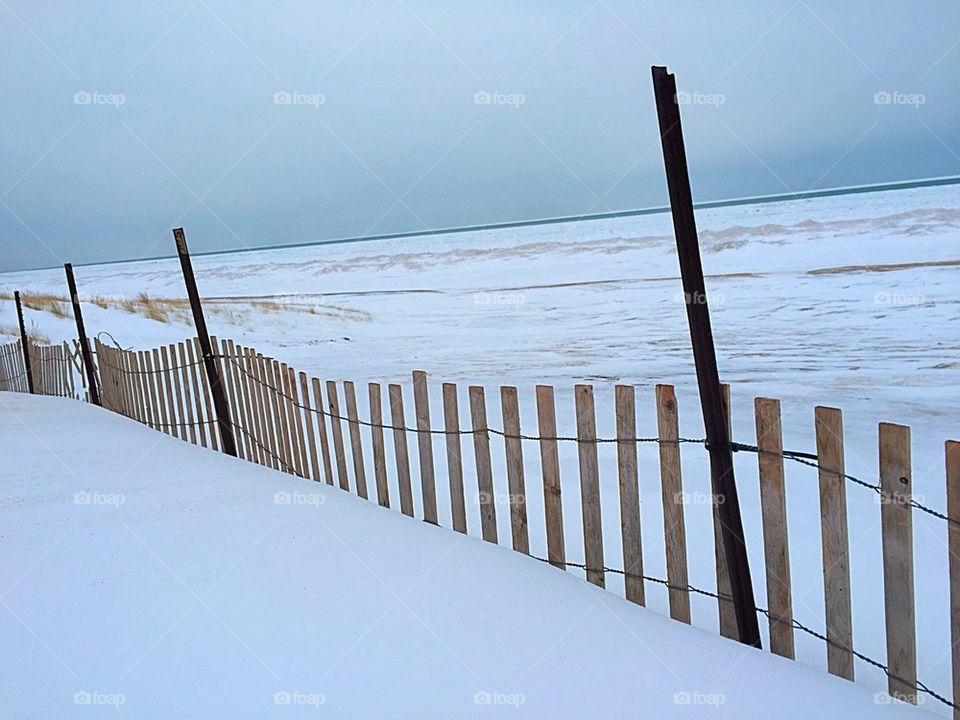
(148, 578)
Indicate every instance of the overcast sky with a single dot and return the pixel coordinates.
(260, 123)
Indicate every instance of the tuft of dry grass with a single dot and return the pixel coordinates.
(40, 338)
(100, 301)
(46, 302)
(153, 308)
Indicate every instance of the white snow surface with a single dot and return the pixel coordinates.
(183, 588)
(848, 301)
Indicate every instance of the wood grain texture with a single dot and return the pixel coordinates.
(513, 448)
(550, 470)
(481, 449)
(376, 440)
(451, 426)
(400, 449)
(356, 444)
(671, 488)
(630, 535)
(333, 404)
(428, 483)
(589, 483)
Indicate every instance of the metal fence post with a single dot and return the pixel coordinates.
(224, 422)
(25, 342)
(704, 354)
(82, 335)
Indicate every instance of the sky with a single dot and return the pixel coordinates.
(253, 124)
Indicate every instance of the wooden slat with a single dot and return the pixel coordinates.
(356, 444)
(136, 380)
(896, 515)
(308, 419)
(234, 392)
(513, 449)
(248, 391)
(151, 390)
(589, 483)
(630, 537)
(167, 377)
(197, 392)
(333, 404)
(481, 450)
(773, 507)
(322, 432)
(255, 392)
(725, 609)
(550, 469)
(428, 487)
(671, 489)
(303, 462)
(287, 419)
(188, 391)
(207, 397)
(833, 528)
(400, 449)
(451, 425)
(952, 456)
(158, 377)
(178, 392)
(282, 416)
(268, 403)
(376, 439)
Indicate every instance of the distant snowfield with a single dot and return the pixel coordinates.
(849, 301)
(155, 579)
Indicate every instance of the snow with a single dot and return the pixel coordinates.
(147, 578)
(848, 301)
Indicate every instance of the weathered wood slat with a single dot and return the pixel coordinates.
(896, 481)
(356, 444)
(322, 431)
(296, 407)
(630, 536)
(589, 483)
(671, 488)
(725, 609)
(836, 554)
(428, 483)
(773, 508)
(308, 419)
(197, 393)
(513, 449)
(481, 450)
(451, 425)
(400, 449)
(376, 440)
(178, 392)
(333, 403)
(207, 397)
(550, 469)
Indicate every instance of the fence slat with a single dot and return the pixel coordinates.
(896, 516)
(235, 400)
(725, 610)
(280, 421)
(550, 469)
(308, 418)
(773, 508)
(188, 391)
(589, 483)
(481, 450)
(205, 383)
(303, 463)
(630, 536)
(451, 425)
(322, 431)
(333, 402)
(376, 439)
(150, 389)
(952, 457)
(428, 485)
(356, 444)
(197, 393)
(671, 489)
(178, 392)
(255, 409)
(400, 448)
(513, 449)
(836, 557)
(267, 408)
(288, 419)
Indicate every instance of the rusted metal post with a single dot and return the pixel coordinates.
(24, 342)
(224, 422)
(82, 335)
(704, 355)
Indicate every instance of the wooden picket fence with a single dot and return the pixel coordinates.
(55, 368)
(288, 421)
